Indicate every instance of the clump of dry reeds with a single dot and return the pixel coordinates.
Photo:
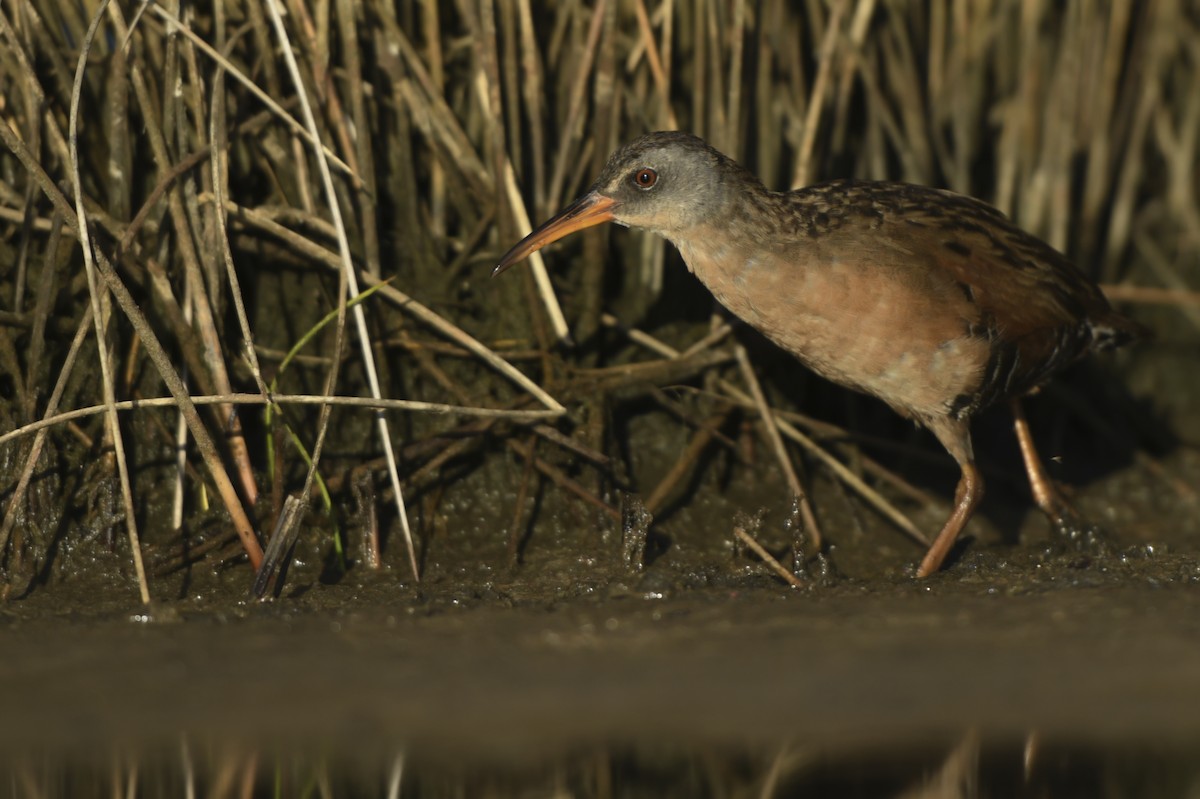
(196, 193)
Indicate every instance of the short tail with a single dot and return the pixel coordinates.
(1113, 330)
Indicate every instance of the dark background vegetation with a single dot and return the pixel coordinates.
(448, 127)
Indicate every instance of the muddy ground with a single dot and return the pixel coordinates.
(1033, 666)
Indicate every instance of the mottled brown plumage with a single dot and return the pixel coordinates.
(932, 301)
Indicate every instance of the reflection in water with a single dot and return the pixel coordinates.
(922, 690)
(959, 769)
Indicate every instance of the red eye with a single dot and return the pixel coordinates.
(645, 178)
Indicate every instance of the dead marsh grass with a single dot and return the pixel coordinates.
(200, 191)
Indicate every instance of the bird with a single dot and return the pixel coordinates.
(931, 301)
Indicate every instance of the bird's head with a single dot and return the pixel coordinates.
(666, 182)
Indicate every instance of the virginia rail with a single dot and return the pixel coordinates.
(932, 301)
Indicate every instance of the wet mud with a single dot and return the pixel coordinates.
(554, 648)
(1027, 668)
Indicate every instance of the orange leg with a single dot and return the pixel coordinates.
(1072, 530)
(966, 498)
(956, 438)
(1044, 493)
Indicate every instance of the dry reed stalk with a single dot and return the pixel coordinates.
(200, 303)
(363, 148)
(12, 511)
(513, 547)
(537, 263)
(816, 102)
(404, 303)
(662, 82)
(604, 140)
(685, 464)
(831, 433)
(735, 36)
(596, 458)
(1159, 264)
(179, 392)
(781, 456)
(567, 151)
(432, 114)
(533, 91)
(219, 138)
(685, 415)
(871, 496)
(1100, 103)
(100, 314)
(767, 557)
(42, 308)
(562, 480)
(1081, 122)
(366, 403)
(637, 378)
(267, 98)
(348, 289)
(839, 470)
(1150, 295)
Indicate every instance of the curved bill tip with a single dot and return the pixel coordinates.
(590, 209)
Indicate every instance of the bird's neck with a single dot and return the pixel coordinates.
(744, 219)
(755, 260)
(724, 256)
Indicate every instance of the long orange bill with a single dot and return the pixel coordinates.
(590, 209)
